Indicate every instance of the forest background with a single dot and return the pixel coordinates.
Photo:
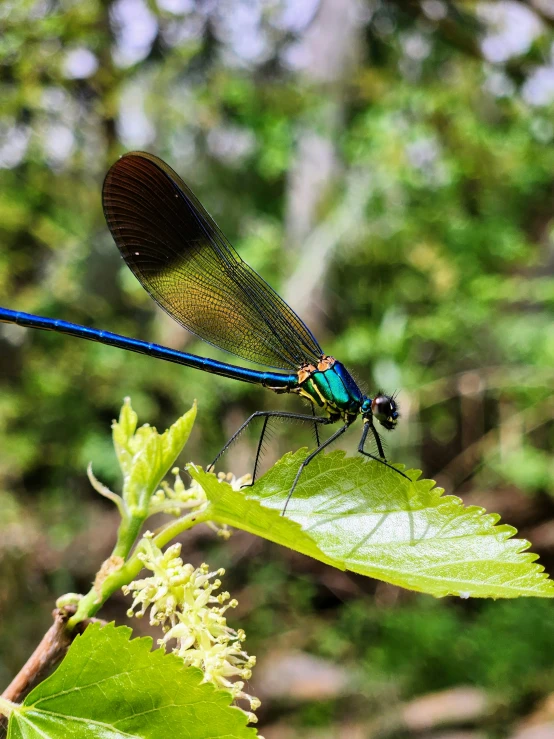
(389, 168)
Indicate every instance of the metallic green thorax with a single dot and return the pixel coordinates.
(330, 386)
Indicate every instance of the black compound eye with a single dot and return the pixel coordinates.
(384, 406)
(385, 410)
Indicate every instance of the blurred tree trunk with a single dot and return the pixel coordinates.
(330, 49)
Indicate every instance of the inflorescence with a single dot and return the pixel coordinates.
(182, 600)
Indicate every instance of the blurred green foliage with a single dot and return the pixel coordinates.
(417, 242)
(454, 647)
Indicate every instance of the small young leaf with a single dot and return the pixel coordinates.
(144, 455)
(122, 433)
(111, 687)
(364, 517)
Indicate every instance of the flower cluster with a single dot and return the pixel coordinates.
(182, 601)
(174, 500)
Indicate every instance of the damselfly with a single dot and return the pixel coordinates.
(181, 257)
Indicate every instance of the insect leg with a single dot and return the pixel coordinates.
(259, 449)
(309, 458)
(315, 427)
(266, 415)
(368, 425)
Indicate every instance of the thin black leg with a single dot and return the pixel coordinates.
(381, 458)
(259, 450)
(266, 414)
(309, 458)
(315, 428)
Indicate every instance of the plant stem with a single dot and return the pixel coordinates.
(6, 707)
(127, 534)
(123, 575)
(184, 523)
(52, 647)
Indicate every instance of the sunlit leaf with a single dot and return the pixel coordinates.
(111, 687)
(363, 517)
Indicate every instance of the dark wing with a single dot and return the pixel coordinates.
(180, 256)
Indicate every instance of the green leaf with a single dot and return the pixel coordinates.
(111, 687)
(363, 517)
(144, 455)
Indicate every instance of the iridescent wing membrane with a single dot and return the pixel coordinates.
(180, 256)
